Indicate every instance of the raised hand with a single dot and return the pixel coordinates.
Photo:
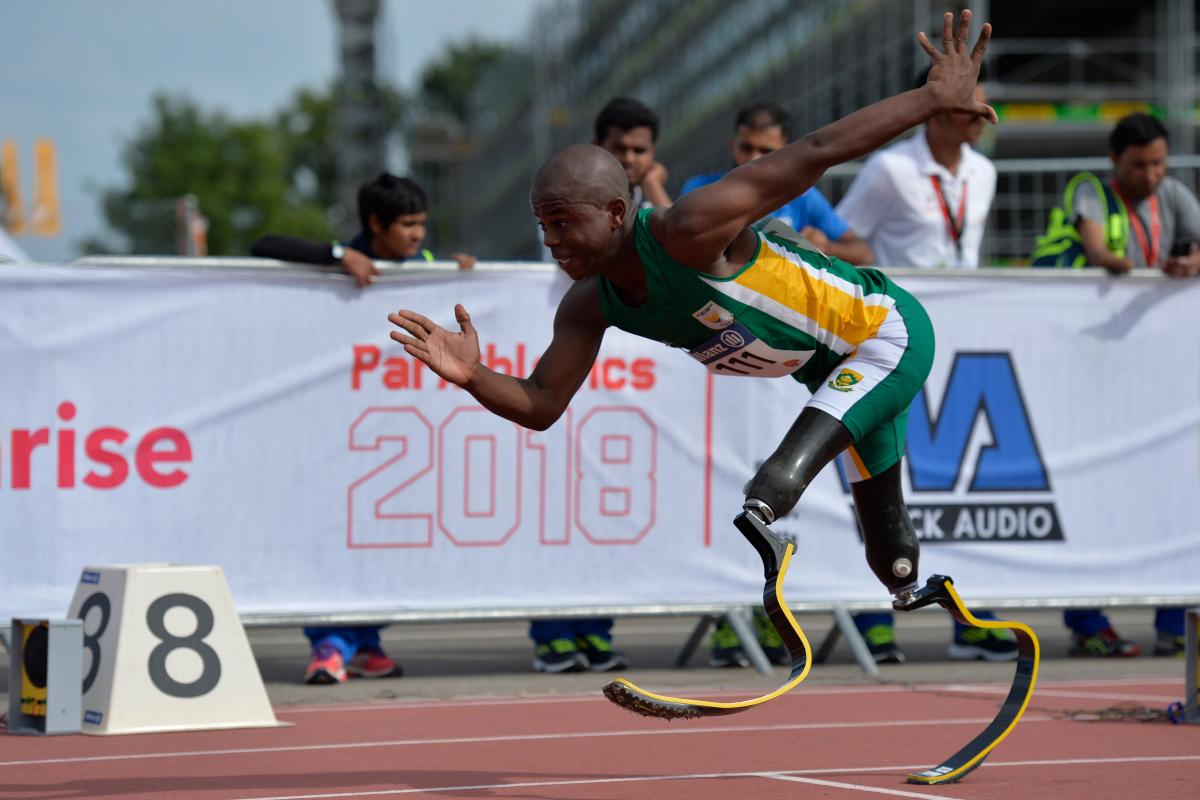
(452, 356)
(955, 73)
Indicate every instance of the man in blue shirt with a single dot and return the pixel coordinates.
(763, 128)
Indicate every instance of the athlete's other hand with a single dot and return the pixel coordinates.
(955, 73)
(1187, 266)
(452, 356)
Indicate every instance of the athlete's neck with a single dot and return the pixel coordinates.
(624, 271)
(947, 152)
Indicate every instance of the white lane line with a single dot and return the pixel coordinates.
(485, 700)
(532, 737)
(856, 787)
(1045, 692)
(726, 775)
(799, 694)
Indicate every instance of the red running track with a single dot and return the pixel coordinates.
(819, 742)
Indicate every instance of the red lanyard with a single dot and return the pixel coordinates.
(1150, 253)
(953, 226)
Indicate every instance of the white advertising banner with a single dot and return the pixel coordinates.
(264, 422)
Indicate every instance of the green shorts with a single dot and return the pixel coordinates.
(870, 391)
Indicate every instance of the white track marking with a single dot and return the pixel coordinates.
(532, 737)
(1044, 692)
(799, 694)
(589, 697)
(856, 787)
(725, 775)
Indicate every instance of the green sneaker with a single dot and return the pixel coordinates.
(770, 641)
(989, 644)
(725, 649)
(600, 653)
(881, 641)
(559, 655)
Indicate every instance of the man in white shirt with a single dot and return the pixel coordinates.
(924, 201)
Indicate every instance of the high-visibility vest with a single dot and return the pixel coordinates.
(1061, 246)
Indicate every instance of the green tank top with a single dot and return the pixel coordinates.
(790, 310)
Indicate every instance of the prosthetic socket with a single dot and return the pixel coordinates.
(814, 440)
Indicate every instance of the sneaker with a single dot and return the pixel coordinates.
(770, 641)
(326, 666)
(989, 644)
(725, 649)
(559, 655)
(372, 663)
(600, 654)
(1102, 644)
(881, 641)
(1168, 644)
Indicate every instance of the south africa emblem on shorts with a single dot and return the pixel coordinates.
(845, 380)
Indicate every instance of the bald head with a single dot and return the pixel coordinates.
(582, 173)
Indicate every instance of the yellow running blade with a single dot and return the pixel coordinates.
(940, 590)
(650, 704)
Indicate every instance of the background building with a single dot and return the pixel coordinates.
(1060, 75)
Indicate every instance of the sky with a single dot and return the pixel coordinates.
(82, 72)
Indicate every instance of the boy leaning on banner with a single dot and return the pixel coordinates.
(393, 213)
(1141, 217)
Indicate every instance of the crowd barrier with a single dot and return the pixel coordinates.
(255, 415)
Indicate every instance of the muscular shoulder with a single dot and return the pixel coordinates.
(581, 305)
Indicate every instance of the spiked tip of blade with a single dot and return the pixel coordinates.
(629, 699)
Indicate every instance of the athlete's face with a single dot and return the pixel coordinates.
(751, 143)
(399, 240)
(634, 148)
(581, 236)
(1139, 169)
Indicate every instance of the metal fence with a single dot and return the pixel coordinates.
(1026, 190)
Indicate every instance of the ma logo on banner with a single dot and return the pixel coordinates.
(955, 486)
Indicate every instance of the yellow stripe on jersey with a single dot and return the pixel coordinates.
(863, 472)
(815, 294)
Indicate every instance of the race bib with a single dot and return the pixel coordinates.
(736, 351)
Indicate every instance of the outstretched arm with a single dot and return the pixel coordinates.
(701, 225)
(534, 402)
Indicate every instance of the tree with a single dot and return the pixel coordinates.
(249, 177)
(236, 171)
(446, 84)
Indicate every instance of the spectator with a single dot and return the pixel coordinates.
(923, 202)
(762, 128)
(1163, 232)
(628, 129)
(393, 212)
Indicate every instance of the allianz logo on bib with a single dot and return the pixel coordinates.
(973, 467)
